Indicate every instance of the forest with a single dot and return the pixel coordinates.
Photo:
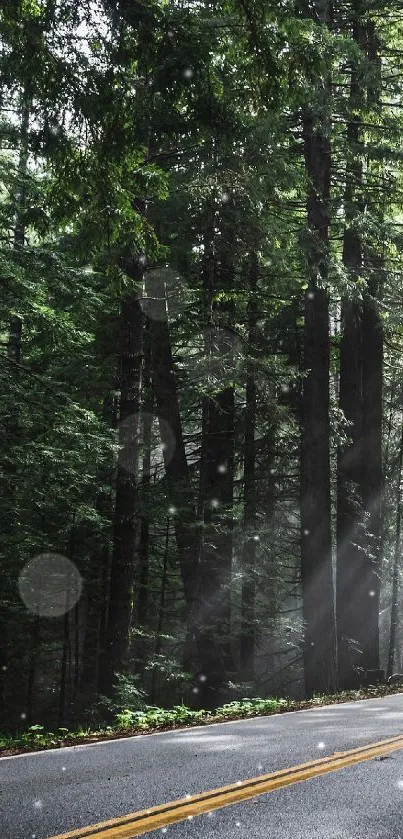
(201, 225)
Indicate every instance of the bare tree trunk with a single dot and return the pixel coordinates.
(34, 646)
(372, 392)
(217, 465)
(350, 520)
(372, 468)
(248, 596)
(216, 559)
(76, 652)
(316, 541)
(106, 562)
(180, 491)
(360, 462)
(20, 196)
(127, 514)
(385, 468)
(316, 554)
(394, 614)
(10, 531)
(351, 570)
(9, 535)
(97, 586)
(142, 605)
(161, 612)
(63, 672)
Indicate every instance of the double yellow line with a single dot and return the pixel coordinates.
(144, 821)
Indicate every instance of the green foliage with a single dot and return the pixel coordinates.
(127, 695)
(251, 707)
(172, 135)
(152, 718)
(168, 668)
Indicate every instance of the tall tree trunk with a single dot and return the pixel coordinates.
(20, 196)
(180, 491)
(9, 536)
(248, 595)
(161, 612)
(216, 558)
(77, 650)
(385, 465)
(31, 676)
(316, 541)
(217, 465)
(88, 675)
(394, 613)
(63, 671)
(359, 483)
(65, 675)
(97, 587)
(142, 604)
(10, 533)
(127, 517)
(372, 387)
(316, 545)
(105, 566)
(372, 390)
(351, 566)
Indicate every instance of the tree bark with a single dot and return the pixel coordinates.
(142, 600)
(161, 612)
(9, 536)
(180, 491)
(248, 595)
(20, 196)
(394, 614)
(359, 482)
(127, 513)
(216, 559)
(96, 587)
(372, 391)
(316, 538)
(217, 473)
(10, 528)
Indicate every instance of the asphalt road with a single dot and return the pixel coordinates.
(51, 792)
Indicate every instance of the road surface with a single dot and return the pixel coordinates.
(51, 792)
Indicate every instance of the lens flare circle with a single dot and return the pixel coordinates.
(50, 585)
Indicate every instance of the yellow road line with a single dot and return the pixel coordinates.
(144, 821)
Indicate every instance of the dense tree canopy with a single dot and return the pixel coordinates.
(201, 384)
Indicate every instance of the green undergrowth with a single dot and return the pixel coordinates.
(153, 719)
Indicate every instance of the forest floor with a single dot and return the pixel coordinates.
(152, 720)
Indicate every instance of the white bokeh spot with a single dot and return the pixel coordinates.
(50, 585)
